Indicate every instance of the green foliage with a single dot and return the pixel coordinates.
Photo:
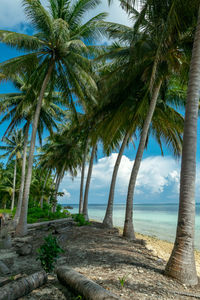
(79, 218)
(79, 297)
(38, 214)
(48, 253)
(122, 281)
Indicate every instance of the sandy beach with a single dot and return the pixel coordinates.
(163, 249)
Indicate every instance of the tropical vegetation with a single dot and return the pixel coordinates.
(78, 95)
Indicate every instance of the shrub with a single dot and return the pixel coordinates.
(79, 218)
(37, 214)
(48, 253)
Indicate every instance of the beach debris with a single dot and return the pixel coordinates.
(82, 285)
(23, 286)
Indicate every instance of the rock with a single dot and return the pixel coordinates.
(5, 242)
(8, 256)
(4, 269)
(25, 249)
(141, 271)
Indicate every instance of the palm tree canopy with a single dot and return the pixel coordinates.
(61, 39)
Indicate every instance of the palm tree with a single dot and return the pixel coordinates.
(181, 264)
(59, 49)
(20, 107)
(83, 176)
(62, 152)
(13, 148)
(87, 185)
(156, 68)
(108, 219)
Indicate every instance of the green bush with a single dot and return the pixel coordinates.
(48, 253)
(79, 218)
(38, 214)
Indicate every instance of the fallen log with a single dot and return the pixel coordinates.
(47, 223)
(23, 286)
(82, 285)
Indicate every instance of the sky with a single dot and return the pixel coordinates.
(158, 179)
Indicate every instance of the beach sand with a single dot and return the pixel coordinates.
(163, 249)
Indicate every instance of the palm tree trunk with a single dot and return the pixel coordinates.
(82, 178)
(19, 204)
(87, 186)
(53, 209)
(128, 224)
(53, 182)
(14, 183)
(21, 228)
(181, 264)
(45, 182)
(108, 219)
(60, 176)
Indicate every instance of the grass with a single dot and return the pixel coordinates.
(5, 211)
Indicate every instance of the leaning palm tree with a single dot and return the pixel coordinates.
(14, 148)
(59, 55)
(87, 185)
(19, 108)
(63, 153)
(181, 265)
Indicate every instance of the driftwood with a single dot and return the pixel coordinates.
(23, 286)
(47, 223)
(82, 285)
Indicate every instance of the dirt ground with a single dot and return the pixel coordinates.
(107, 258)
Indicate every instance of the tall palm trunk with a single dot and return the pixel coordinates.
(19, 203)
(87, 186)
(21, 228)
(53, 182)
(181, 264)
(128, 224)
(14, 184)
(44, 185)
(108, 219)
(58, 181)
(82, 178)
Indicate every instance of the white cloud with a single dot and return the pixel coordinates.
(158, 179)
(66, 193)
(12, 13)
(64, 199)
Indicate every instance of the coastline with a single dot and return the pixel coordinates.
(163, 249)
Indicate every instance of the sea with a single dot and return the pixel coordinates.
(157, 220)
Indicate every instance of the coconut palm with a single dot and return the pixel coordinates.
(14, 148)
(87, 185)
(58, 54)
(20, 107)
(63, 153)
(181, 264)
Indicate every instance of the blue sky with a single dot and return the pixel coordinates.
(158, 180)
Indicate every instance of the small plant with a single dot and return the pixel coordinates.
(48, 253)
(79, 218)
(79, 297)
(122, 281)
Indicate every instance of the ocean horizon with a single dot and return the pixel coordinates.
(157, 220)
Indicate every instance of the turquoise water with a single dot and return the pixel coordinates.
(154, 220)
